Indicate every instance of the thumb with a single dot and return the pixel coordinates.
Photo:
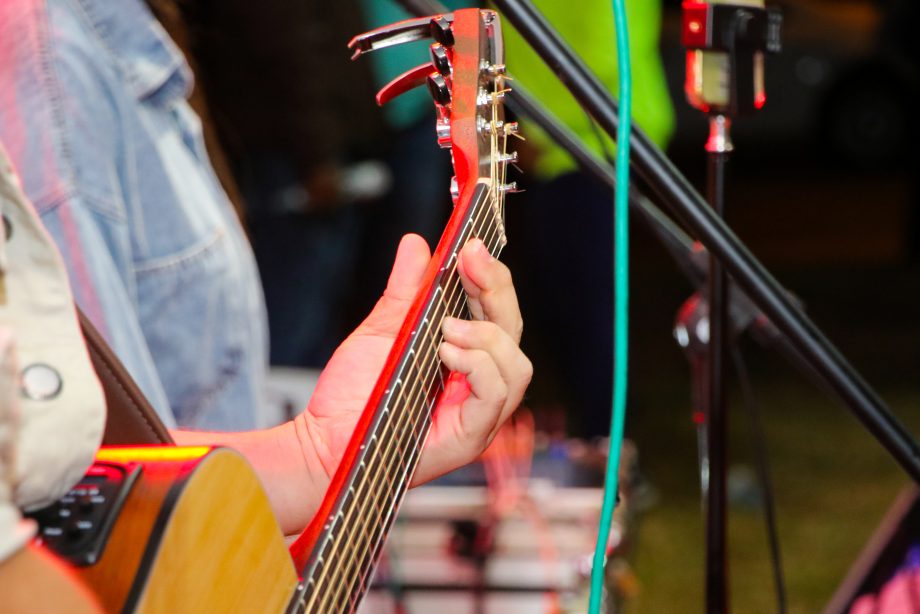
(412, 259)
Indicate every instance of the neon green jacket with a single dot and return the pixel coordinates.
(587, 25)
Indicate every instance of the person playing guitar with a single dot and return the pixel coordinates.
(297, 461)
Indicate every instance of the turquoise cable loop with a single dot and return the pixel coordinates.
(620, 309)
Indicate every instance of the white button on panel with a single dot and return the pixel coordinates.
(40, 382)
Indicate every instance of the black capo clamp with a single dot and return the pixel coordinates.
(433, 73)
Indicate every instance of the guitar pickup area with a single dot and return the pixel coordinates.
(77, 526)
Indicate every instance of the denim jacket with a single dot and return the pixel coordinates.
(93, 112)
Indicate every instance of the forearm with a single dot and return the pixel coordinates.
(285, 462)
(34, 581)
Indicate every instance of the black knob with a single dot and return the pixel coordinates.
(437, 85)
(442, 32)
(85, 504)
(441, 59)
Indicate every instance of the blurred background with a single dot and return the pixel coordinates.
(823, 187)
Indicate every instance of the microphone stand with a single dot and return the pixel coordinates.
(691, 258)
(734, 38)
(671, 236)
(800, 338)
(659, 174)
(718, 149)
(679, 196)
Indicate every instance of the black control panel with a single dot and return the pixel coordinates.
(77, 526)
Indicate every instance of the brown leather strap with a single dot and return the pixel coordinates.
(130, 419)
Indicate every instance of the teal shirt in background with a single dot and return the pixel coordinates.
(389, 63)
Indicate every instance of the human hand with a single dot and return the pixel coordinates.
(900, 595)
(489, 371)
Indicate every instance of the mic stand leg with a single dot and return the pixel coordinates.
(717, 594)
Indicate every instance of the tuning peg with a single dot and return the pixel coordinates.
(510, 159)
(442, 130)
(454, 189)
(439, 89)
(494, 70)
(441, 30)
(509, 188)
(403, 83)
(440, 59)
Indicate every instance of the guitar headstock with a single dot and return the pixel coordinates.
(466, 77)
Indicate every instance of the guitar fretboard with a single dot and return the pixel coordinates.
(353, 535)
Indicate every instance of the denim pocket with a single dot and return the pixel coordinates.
(196, 322)
(194, 277)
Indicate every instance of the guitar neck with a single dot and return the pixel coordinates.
(348, 532)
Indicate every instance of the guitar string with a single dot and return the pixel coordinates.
(372, 540)
(380, 464)
(366, 551)
(428, 340)
(381, 528)
(422, 366)
(362, 547)
(415, 392)
(454, 293)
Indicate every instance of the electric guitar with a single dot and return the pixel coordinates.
(169, 529)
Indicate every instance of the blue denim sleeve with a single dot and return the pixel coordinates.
(112, 156)
(82, 216)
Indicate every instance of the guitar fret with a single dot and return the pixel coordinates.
(370, 560)
(401, 467)
(381, 528)
(376, 538)
(388, 466)
(374, 499)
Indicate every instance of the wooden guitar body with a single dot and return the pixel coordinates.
(195, 533)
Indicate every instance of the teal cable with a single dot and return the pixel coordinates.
(620, 308)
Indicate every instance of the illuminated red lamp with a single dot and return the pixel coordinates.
(694, 83)
(695, 32)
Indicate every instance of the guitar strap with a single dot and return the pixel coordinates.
(130, 419)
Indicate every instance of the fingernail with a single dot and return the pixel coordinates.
(447, 351)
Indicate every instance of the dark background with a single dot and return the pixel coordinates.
(823, 188)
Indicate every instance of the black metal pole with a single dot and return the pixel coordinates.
(691, 260)
(688, 206)
(671, 236)
(717, 594)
